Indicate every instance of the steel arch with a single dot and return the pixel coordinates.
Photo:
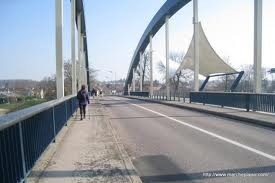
(169, 8)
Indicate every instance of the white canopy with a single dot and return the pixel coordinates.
(210, 62)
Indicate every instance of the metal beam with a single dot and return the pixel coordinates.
(169, 8)
(196, 45)
(140, 70)
(81, 60)
(74, 89)
(81, 26)
(167, 56)
(257, 46)
(151, 66)
(84, 67)
(134, 80)
(58, 49)
(80, 82)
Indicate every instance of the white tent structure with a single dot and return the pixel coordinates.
(210, 62)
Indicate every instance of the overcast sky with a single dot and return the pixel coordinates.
(27, 46)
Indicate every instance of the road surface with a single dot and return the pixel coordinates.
(169, 144)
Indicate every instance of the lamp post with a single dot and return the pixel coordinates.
(113, 72)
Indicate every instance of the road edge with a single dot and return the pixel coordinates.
(224, 115)
(122, 152)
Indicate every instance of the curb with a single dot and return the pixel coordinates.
(123, 154)
(224, 115)
(125, 157)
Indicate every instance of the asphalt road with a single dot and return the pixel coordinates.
(168, 144)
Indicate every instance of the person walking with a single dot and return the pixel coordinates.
(83, 100)
(93, 93)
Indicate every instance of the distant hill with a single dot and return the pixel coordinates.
(18, 83)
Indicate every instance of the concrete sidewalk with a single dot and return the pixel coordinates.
(258, 118)
(87, 152)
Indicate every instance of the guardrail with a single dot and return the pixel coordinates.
(140, 94)
(248, 101)
(25, 134)
(161, 95)
(174, 96)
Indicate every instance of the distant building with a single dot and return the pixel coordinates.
(3, 99)
(9, 97)
(39, 93)
(42, 94)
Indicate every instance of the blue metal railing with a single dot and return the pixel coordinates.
(174, 96)
(263, 102)
(248, 101)
(161, 95)
(140, 94)
(25, 134)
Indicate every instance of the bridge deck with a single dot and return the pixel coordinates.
(92, 151)
(88, 152)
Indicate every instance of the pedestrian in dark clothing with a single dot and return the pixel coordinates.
(83, 100)
(93, 92)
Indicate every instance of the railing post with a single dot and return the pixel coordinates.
(223, 101)
(72, 106)
(204, 98)
(54, 129)
(247, 102)
(66, 113)
(22, 152)
(254, 100)
(183, 95)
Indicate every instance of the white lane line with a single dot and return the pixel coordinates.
(211, 133)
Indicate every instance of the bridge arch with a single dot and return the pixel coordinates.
(169, 8)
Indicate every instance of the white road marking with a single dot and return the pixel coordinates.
(210, 133)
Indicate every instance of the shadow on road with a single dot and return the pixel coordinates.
(159, 168)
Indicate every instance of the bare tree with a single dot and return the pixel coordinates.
(68, 70)
(48, 84)
(145, 67)
(92, 77)
(177, 57)
(183, 76)
(67, 77)
(246, 84)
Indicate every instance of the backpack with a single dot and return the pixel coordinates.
(81, 95)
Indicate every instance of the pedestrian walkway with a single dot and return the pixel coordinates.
(88, 152)
(259, 118)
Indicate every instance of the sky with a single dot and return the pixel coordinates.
(27, 31)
